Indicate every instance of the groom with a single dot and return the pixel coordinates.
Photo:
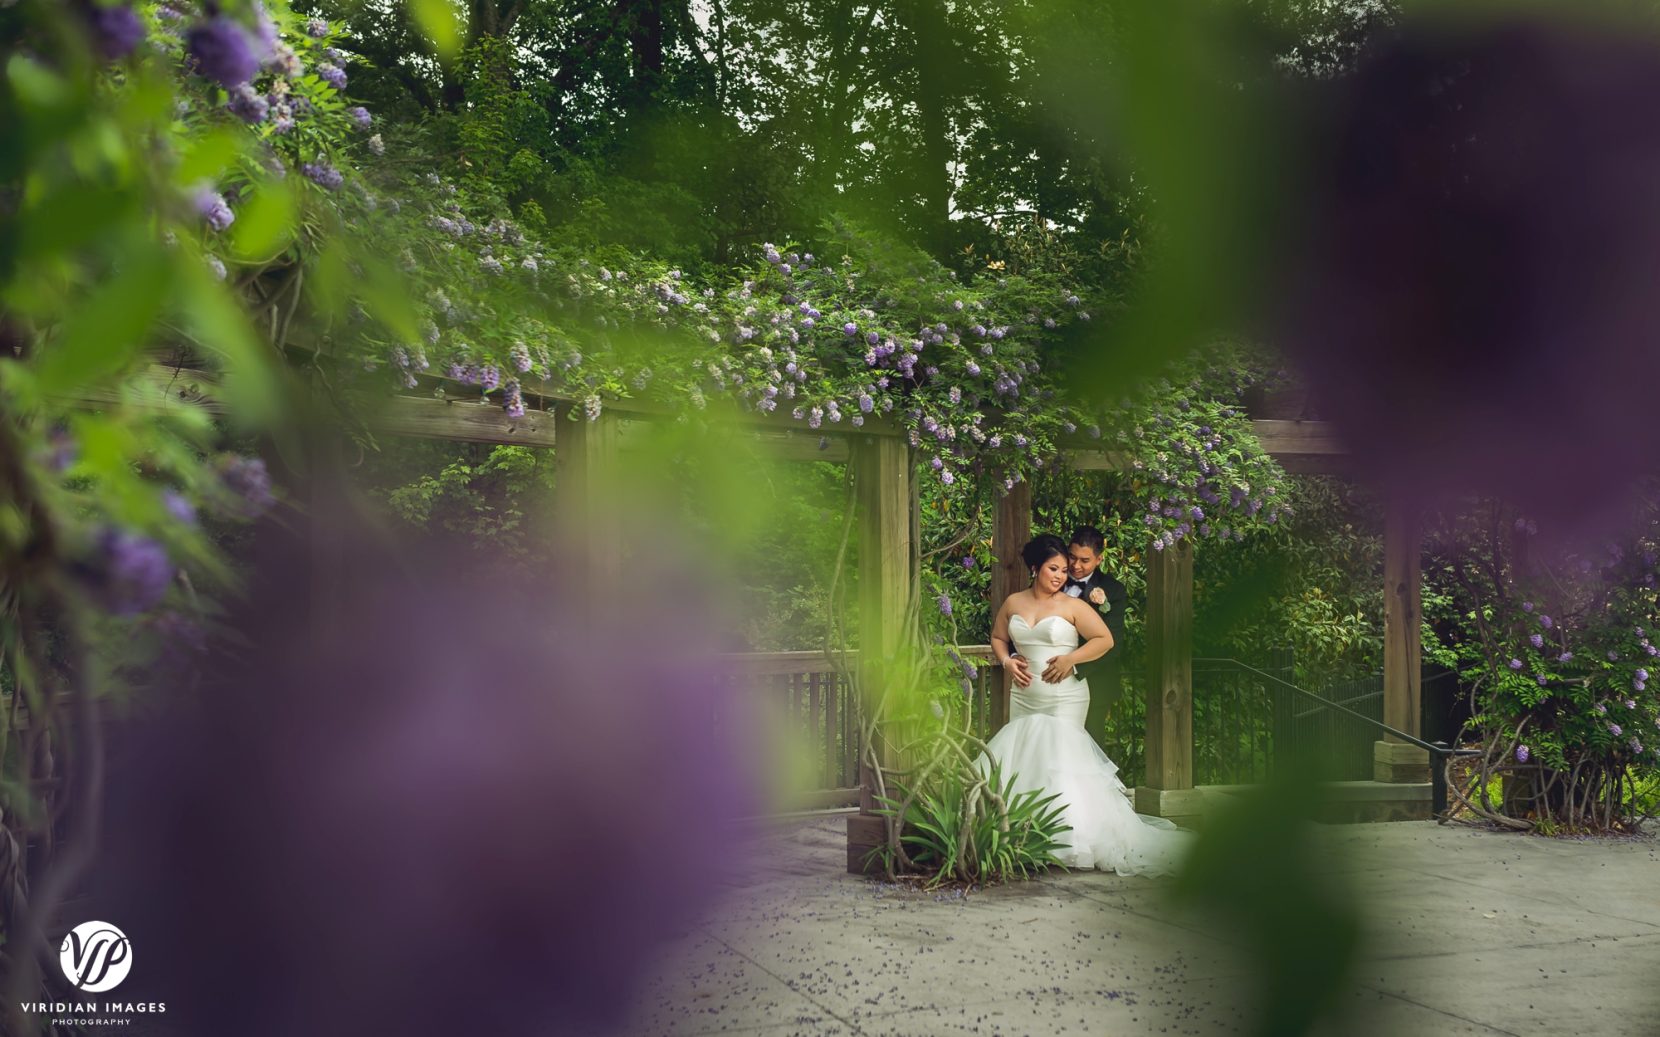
(1107, 595)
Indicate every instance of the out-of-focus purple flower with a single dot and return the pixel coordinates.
(1421, 157)
(1641, 674)
(360, 115)
(1516, 664)
(1565, 657)
(1527, 606)
(179, 507)
(1615, 730)
(969, 562)
(1541, 680)
(117, 30)
(132, 572)
(323, 175)
(211, 206)
(1522, 754)
(215, 264)
(265, 30)
(222, 51)
(513, 400)
(945, 604)
(247, 480)
(1536, 640)
(284, 61)
(317, 28)
(370, 823)
(1546, 622)
(332, 74)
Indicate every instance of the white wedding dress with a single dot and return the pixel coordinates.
(1044, 746)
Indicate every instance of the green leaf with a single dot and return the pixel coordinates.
(69, 218)
(265, 222)
(103, 335)
(438, 22)
(249, 385)
(208, 156)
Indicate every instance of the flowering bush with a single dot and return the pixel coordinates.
(1555, 637)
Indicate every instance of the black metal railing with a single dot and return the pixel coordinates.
(1344, 717)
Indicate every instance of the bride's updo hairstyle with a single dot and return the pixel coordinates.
(1040, 549)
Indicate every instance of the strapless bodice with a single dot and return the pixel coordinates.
(1038, 643)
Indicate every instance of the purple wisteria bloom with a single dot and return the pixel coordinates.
(1615, 730)
(212, 207)
(135, 571)
(1522, 754)
(361, 116)
(332, 74)
(969, 562)
(1546, 622)
(317, 28)
(247, 478)
(179, 507)
(323, 175)
(1536, 640)
(246, 104)
(1515, 664)
(945, 604)
(222, 51)
(116, 30)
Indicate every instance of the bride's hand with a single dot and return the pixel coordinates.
(1057, 670)
(1016, 668)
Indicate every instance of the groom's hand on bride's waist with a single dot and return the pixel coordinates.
(1057, 670)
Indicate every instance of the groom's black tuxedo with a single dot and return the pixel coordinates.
(1105, 675)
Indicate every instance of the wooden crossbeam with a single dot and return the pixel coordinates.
(458, 412)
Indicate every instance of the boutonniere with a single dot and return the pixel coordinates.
(1098, 596)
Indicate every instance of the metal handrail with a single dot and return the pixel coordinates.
(1440, 752)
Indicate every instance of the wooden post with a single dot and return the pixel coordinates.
(1168, 789)
(885, 488)
(1393, 760)
(1011, 528)
(585, 459)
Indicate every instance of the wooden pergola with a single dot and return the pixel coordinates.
(889, 557)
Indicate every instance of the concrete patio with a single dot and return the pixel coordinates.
(1468, 932)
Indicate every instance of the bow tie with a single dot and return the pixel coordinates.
(1070, 582)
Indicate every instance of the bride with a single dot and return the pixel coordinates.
(1044, 745)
